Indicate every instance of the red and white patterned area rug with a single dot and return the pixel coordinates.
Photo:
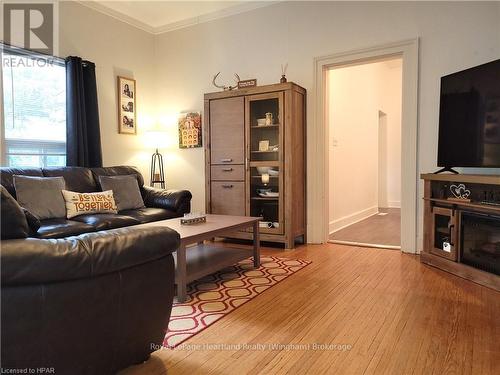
(216, 295)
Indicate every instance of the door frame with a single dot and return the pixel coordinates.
(380, 166)
(319, 135)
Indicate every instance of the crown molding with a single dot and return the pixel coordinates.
(116, 15)
(233, 10)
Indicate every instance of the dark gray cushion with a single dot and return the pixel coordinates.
(125, 190)
(41, 195)
(12, 219)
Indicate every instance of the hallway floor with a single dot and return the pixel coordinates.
(377, 229)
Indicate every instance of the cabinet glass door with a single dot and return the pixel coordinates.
(444, 233)
(264, 114)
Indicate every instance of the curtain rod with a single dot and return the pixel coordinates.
(26, 52)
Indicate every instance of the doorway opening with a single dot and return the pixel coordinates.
(318, 140)
(364, 107)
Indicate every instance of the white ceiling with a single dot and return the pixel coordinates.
(162, 16)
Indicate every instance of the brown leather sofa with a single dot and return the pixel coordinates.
(78, 296)
(160, 204)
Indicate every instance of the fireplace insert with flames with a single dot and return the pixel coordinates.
(480, 237)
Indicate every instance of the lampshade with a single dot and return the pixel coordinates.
(156, 138)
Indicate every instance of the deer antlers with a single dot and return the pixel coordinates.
(226, 88)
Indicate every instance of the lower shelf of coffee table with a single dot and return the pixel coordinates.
(203, 260)
(276, 238)
(248, 235)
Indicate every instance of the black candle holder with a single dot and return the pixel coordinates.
(157, 177)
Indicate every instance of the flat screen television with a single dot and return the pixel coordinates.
(469, 118)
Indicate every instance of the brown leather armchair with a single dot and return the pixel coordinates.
(89, 304)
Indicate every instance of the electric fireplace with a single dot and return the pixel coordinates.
(462, 226)
(480, 241)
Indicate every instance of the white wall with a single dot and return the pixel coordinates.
(117, 49)
(353, 147)
(453, 36)
(356, 95)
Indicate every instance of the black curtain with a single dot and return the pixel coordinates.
(83, 137)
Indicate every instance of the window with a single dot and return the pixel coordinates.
(34, 110)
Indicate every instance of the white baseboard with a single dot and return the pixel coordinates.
(345, 221)
(394, 204)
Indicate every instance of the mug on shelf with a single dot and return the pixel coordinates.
(263, 145)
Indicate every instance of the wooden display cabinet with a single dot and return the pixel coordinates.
(256, 166)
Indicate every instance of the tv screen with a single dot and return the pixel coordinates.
(469, 118)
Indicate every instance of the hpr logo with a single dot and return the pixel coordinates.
(29, 26)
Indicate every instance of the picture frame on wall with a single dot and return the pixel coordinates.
(127, 109)
(190, 132)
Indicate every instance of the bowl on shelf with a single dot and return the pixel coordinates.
(261, 122)
(263, 170)
(268, 170)
(269, 194)
(263, 191)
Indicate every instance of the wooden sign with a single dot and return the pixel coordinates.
(247, 83)
(190, 135)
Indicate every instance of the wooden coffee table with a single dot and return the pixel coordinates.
(201, 259)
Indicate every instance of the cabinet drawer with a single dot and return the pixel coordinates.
(228, 198)
(228, 173)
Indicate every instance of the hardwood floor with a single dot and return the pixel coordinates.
(377, 229)
(397, 315)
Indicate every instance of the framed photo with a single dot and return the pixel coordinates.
(190, 134)
(127, 119)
